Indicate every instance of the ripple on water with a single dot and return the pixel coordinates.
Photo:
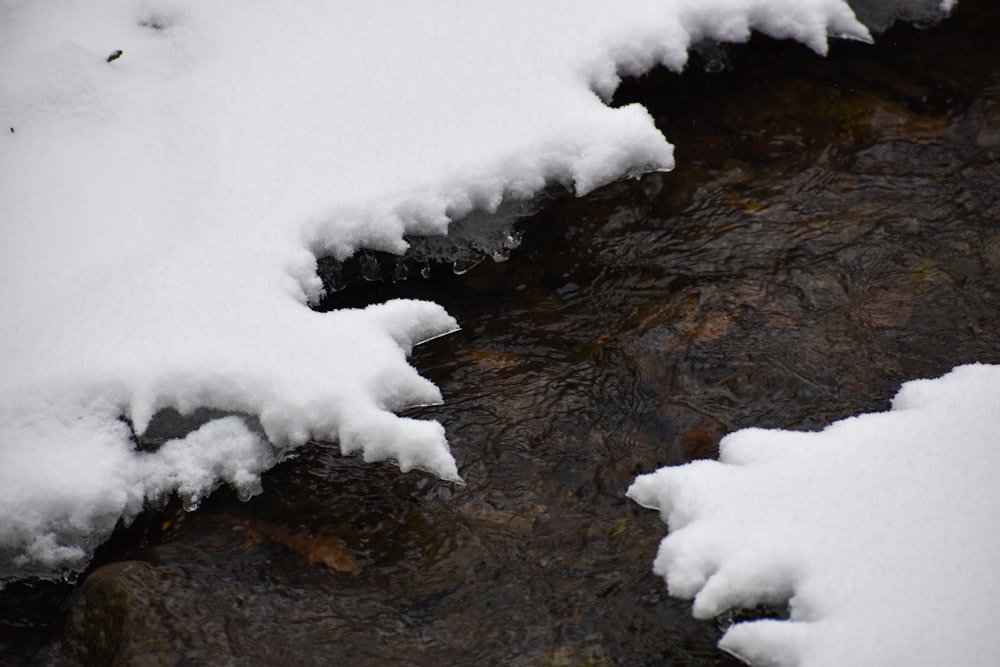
(831, 230)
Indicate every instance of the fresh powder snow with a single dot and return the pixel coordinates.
(163, 209)
(879, 531)
(172, 171)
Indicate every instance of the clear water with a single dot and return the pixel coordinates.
(832, 229)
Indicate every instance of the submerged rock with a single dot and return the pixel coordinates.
(134, 613)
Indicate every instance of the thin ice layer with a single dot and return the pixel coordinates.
(881, 530)
(162, 209)
(880, 14)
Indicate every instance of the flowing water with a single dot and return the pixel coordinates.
(832, 229)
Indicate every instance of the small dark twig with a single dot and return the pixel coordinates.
(115, 55)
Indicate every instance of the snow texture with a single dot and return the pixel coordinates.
(880, 531)
(173, 170)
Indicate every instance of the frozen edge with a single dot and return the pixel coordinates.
(140, 406)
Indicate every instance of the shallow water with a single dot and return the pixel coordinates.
(832, 229)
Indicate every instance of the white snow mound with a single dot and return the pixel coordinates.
(880, 531)
(161, 213)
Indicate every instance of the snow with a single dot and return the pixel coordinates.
(162, 213)
(880, 531)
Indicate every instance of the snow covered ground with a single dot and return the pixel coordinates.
(881, 532)
(161, 213)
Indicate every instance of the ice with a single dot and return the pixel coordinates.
(163, 211)
(880, 531)
(880, 14)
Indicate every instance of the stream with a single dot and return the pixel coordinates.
(832, 229)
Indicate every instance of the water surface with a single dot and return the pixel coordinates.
(832, 229)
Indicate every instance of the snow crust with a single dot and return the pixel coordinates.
(880, 531)
(162, 212)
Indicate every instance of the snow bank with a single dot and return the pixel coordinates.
(881, 530)
(162, 211)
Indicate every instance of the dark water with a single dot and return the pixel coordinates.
(832, 229)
